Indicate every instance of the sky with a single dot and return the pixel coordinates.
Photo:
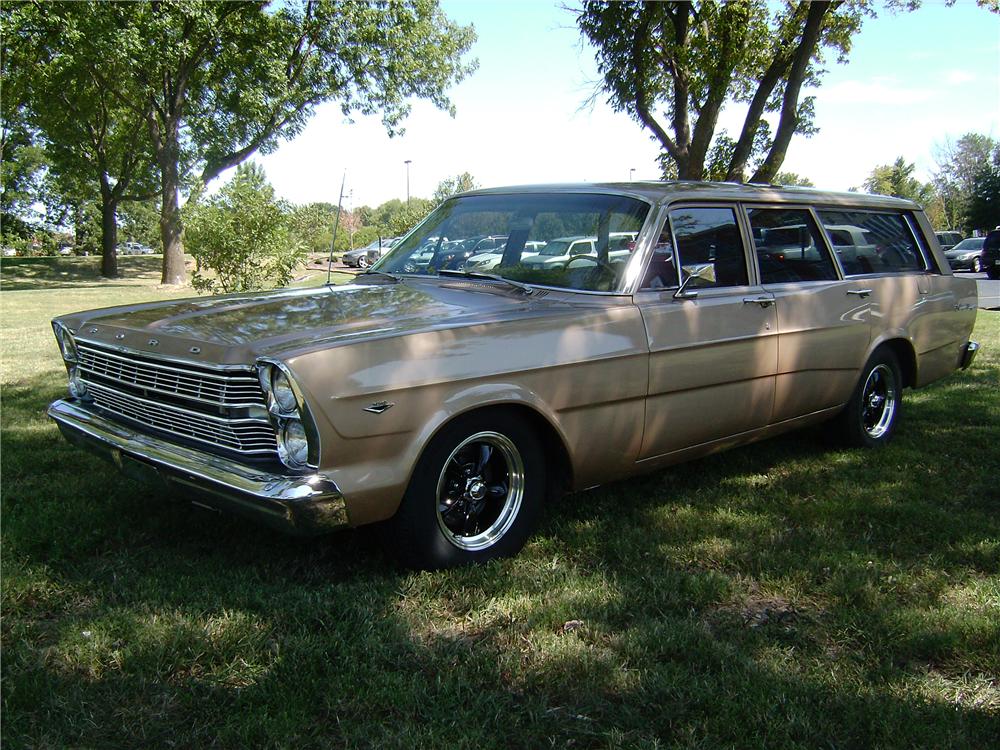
(914, 80)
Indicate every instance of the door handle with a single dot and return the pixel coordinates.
(762, 301)
(860, 292)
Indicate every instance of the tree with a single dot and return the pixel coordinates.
(983, 210)
(453, 185)
(69, 83)
(694, 58)
(22, 163)
(958, 164)
(241, 235)
(791, 178)
(226, 80)
(897, 179)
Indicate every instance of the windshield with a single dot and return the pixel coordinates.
(522, 227)
(973, 243)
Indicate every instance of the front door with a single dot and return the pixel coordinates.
(713, 354)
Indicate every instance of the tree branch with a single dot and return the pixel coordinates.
(789, 119)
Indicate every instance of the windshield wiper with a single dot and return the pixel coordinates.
(491, 276)
(388, 275)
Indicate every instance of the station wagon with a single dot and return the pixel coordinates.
(447, 404)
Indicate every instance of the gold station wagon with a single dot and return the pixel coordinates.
(446, 403)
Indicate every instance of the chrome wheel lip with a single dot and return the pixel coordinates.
(511, 503)
(878, 397)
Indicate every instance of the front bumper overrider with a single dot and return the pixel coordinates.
(299, 504)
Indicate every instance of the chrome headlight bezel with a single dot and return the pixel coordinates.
(66, 342)
(284, 415)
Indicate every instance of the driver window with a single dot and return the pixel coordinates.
(710, 236)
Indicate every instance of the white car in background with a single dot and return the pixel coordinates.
(134, 248)
(563, 252)
(488, 261)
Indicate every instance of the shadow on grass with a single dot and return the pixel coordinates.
(783, 594)
(20, 274)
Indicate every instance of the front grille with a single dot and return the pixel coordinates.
(222, 409)
(234, 389)
(243, 435)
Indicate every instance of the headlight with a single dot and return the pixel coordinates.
(293, 445)
(282, 391)
(66, 344)
(294, 428)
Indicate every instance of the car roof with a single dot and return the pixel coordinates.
(662, 191)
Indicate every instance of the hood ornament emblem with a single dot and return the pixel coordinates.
(379, 406)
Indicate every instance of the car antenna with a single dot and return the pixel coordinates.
(336, 226)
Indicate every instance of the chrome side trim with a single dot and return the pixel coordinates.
(299, 504)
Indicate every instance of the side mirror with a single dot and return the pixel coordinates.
(703, 271)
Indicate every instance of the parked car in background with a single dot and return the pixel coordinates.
(991, 254)
(363, 257)
(448, 405)
(967, 255)
(134, 248)
(9, 252)
(948, 239)
(66, 250)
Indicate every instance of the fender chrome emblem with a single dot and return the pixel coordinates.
(154, 342)
(379, 406)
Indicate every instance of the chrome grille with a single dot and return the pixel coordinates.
(193, 402)
(234, 389)
(244, 435)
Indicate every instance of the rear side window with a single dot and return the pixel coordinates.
(710, 236)
(872, 242)
(788, 246)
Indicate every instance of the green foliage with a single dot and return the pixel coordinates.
(140, 222)
(897, 179)
(791, 178)
(959, 163)
(241, 235)
(453, 185)
(689, 60)
(984, 196)
(22, 162)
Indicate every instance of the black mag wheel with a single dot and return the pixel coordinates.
(475, 494)
(870, 417)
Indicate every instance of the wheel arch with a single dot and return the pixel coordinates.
(552, 440)
(905, 355)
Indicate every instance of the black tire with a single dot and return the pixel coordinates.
(993, 272)
(870, 417)
(441, 523)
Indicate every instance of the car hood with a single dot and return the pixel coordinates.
(233, 328)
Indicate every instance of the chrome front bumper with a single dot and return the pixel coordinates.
(308, 504)
(969, 352)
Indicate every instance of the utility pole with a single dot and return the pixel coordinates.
(407, 163)
(630, 173)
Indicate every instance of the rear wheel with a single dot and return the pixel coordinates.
(870, 417)
(475, 494)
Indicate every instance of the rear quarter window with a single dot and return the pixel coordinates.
(872, 242)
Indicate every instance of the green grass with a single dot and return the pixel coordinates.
(782, 595)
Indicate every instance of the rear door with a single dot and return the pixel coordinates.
(823, 321)
(713, 355)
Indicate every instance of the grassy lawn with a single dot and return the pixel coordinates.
(779, 595)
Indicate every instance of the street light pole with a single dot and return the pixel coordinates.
(407, 163)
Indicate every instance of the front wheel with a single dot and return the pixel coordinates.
(870, 417)
(363, 262)
(977, 265)
(475, 494)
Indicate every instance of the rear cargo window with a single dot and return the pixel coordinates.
(872, 242)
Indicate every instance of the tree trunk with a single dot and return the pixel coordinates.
(109, 237)
(171, 227)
